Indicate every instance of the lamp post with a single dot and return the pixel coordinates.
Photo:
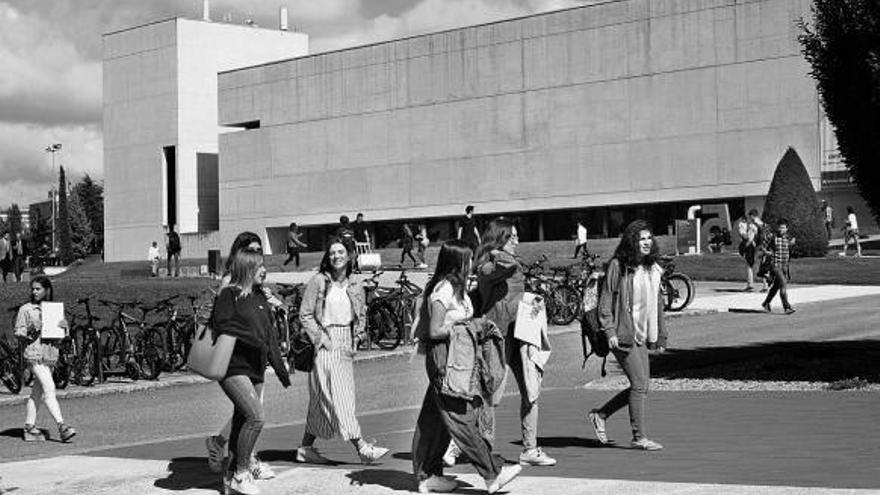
(53, 148)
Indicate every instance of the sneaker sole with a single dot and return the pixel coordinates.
(599, 436)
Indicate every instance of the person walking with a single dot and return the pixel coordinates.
(153, 257)
(294, 244)
(173, 248)
(406, 244)
(828, 216)
(467, 229)
(501, 284)
(422, 242)
(361, 229)
(5, 255)
(850, 232)
(18, 255)
(581, 240)
(749, 228)
(333, 313)
(243, 311)
(779, 251)
(443, 416)
(631, 314)
(41, 355)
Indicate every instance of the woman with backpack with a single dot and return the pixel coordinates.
(631, 315)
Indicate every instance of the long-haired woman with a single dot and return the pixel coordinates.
(444, 417)
(41, 355)
(501, 284)
(631, 313)
(333, 313)
(243, 311)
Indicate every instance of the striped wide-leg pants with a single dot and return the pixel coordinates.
(331, 389)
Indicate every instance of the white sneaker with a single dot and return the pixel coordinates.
(438, 484)
(536, 457)
(310, 455)
(243, 483)
(216, 445)
(261, 471)
(507, 474)
(451, 455)
(369, 453)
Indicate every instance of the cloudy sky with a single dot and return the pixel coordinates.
(50, 55)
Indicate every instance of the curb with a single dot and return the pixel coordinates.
(192, 379)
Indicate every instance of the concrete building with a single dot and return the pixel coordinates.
(160, 125)
(622, 109)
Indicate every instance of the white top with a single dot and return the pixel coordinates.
(153, 254)
(337, 306)
(853, 223)
(582, 234)
(456, 310)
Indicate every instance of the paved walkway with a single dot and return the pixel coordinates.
(716, 442)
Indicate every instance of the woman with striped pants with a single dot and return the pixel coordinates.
(333, 313)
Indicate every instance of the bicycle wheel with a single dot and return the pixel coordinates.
(10, 374)
(150, 355)
(86, 363)
(184, 342)
(679, 292)
(62, 369)
(565, 304)
(383, 327)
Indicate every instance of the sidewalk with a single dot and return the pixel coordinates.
(715, 442)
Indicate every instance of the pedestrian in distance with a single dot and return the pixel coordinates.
(345, 233)
(294, 244)
(749, 230)
(361, 229)
(777, 264)
(580, 240)
(501, 285)
(153, 256)
(443, 416)
(173, 248)
(217, 444)
(41, 355)
(407, 242)
(422, 242)
(828, 216)
(333, 314)
(5, 255)
(243, 311)
(467, 229)
(631, 314)
(18, 254)
(850, 232)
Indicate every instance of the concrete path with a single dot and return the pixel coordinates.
(723, 300)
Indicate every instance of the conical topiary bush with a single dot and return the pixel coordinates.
(792, 197)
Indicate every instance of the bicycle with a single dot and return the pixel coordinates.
(382, 324)
(87, 360)
(10, 366)
(140, 357)
(287, 318)
(678, 287)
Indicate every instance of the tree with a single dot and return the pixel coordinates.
(14, 220)
(793, 198)
(91, 195)
(82, 239)
(842, 44)
(62, 225)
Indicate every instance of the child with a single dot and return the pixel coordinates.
(40, 355)
(779, 248)
(153, 257)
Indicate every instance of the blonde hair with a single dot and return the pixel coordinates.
(243, 269)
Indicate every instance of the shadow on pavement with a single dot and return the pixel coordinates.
(186, 473)
(404, 456)
(389, 478)
(562, 442)
(12, 432)
(270, 455)
(827, 361)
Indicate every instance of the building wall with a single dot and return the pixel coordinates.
(629, 101)
(160, 89)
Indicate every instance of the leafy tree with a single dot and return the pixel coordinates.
(62, 225)
(14, 219)
(792, 197)
(91, 195)
(842, 44)
(82, 239)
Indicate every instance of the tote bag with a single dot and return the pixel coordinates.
(210, 358)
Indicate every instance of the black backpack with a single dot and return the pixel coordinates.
(173, 243)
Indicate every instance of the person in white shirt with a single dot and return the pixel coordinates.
(581, 242)
(153, 256)
(851, 232)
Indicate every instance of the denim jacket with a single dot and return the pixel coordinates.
(312, 309)
(615, 307)
(474, 364)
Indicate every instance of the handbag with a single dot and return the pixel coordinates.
(302, 351)
(209, 357)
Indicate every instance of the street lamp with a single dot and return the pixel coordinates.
(53, 148)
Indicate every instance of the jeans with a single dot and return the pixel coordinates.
(441, 418)
(247, 419)
(176, 259)
(637, 369)
(43, 390)
(528, 411)
(292, 255)
(780, 284)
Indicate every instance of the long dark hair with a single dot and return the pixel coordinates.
(47, 285)
(452, 266)
(242, 241)
(327, 268)
(497, 234)
(628, 253)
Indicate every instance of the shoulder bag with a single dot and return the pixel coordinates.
(208, 356)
